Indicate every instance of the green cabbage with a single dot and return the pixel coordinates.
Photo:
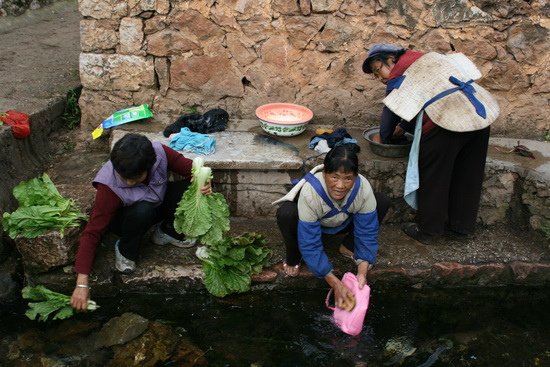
(198, 216)
(229, 265)
(41, 209)
(228, 262)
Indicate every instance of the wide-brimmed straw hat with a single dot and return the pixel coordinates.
(467, 107)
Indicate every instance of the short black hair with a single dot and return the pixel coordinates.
(133, 155)
(342, 157)
(383, 58)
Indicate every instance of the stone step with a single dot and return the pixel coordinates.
(494, 256)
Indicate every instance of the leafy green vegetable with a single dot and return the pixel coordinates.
(229, 264)
(51, 303)
(204, 217)
(41, 208)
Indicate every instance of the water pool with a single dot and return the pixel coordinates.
(407, 327)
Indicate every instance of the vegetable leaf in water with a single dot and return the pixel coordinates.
(49, 303)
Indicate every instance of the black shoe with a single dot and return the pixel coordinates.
(412, 230)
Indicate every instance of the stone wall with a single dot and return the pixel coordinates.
(239, 54)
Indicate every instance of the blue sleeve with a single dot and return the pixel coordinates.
(366, 236)
(388, 122)
(311, 248)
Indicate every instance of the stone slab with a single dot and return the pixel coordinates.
(237, 150)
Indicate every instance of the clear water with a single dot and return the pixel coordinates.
(504, 327)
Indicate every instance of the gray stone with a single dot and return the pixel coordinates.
(449, 12)
(116, 72)
(131, 36)
(121, 329)
(50, 250)
(98, 35)
(103, 9)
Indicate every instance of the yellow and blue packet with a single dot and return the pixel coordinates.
(122, 117)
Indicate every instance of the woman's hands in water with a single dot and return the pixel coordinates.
(343, 296)
(81, 295)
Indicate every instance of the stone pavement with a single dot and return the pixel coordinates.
(39, 64)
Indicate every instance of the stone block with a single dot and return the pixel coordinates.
(116, 72)
(169, 42)
(103, 9)
(131, 36)
(98, 35)
(49, 250)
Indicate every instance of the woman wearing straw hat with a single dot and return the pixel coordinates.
(436, 96)
(387, 62)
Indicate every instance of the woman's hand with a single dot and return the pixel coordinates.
(399, 131)
(362, 270)
(343, 296)
(80, 297)
(206, 189)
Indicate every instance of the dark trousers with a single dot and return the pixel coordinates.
(287, 220)
(132, 222)
(451, 167)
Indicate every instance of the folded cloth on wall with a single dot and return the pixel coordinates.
(189, 141)
(212, 121)
(340, 136)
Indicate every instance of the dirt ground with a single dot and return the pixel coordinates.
(39, 57)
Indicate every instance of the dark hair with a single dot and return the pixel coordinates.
(382, 57)
(133, 155)
(342, 157)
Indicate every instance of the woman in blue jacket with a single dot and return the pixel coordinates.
(333, 199)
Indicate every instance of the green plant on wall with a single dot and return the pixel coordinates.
(192, 109)
(71, 115)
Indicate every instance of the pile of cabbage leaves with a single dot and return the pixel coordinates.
(41, 209)
(228, 262)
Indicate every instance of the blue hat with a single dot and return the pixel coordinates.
(376, 50)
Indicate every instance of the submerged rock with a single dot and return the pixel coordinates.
(160, 343)
(120, 330)
(397, 349)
